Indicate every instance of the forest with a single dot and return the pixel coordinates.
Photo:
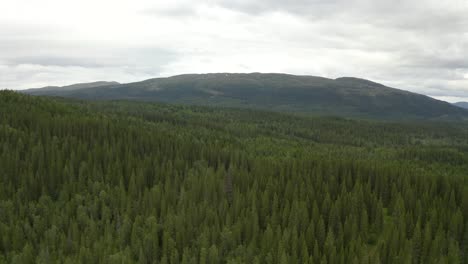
(135, 182)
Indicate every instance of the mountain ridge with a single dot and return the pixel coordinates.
(461, 104)
(344, 96)
(75, 86)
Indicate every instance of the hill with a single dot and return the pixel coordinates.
(68, 88)
(462, 104)
(277, 92)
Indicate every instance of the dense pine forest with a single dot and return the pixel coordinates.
(128, 182)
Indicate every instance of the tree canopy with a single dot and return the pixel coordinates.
(124, 182)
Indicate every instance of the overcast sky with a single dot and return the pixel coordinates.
(421, 46)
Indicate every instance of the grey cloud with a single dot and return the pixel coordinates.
(177, 11)
(405, 14)
(26, 64)
(302, 7)
(437, 62)
(55, 61)
(440, 89)
(61, 53)
(416, 45)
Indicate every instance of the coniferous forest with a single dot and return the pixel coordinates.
(127, 182)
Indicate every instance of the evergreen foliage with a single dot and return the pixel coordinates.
(122, 182)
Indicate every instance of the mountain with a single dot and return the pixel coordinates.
(462, 104)
(79, 86)
(277, 92)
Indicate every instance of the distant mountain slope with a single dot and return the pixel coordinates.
(279, 92)
(462, 104)
(78, 86)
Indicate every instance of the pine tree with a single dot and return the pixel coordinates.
(228, 185)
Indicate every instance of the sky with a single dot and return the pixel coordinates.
(420, 46)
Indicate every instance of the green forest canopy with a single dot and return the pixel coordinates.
(125, 182)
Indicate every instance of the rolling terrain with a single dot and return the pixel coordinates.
(462, 104)
(350, 97)
(78, 86)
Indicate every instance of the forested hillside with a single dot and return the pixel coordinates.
(348, 97)
(126, 182)
(462, 104)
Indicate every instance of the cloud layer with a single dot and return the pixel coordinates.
(420, 46)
